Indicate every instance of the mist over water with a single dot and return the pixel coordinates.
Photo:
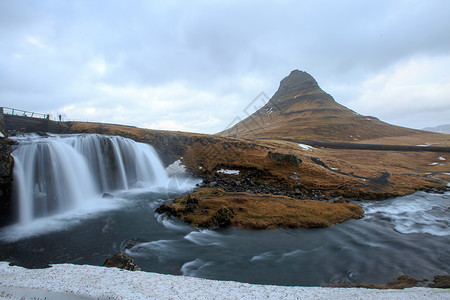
(60, 179)
(406, 235)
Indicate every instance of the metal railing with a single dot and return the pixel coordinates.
(23, 113)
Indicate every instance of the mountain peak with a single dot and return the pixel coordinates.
(301, 110)
(297, 83)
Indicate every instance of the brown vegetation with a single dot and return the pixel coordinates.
(256, 211)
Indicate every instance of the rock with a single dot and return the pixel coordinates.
(441, 281)
(6, 181)
(107, 195)
(166, 209)
(220, 219)
(226, 146)
(403, 281)
(294, 176)
(191, 204)
(133, 242)
(289, 158)
(340, 201)
(122, 261)
(41, 133)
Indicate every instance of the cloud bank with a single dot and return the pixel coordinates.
(195, 66)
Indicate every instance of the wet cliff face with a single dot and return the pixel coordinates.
(6, 181)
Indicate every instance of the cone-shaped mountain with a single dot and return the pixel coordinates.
(301, 110)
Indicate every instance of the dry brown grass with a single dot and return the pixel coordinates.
(410, 171)
(266, 211)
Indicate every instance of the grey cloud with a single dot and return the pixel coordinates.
(208, 46)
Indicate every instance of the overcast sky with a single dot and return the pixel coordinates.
(195, 65)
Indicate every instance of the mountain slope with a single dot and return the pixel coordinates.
(439, 129)
(301, 110)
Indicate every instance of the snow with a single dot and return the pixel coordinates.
(228, 172)
(441, 158)
(433, 164)
(2, 135)
(306, 147)
(66, 281)
(175, 168)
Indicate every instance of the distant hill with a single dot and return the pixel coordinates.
(301, 110)
(439, 129)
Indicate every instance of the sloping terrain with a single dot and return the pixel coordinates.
(301, 110)
(321, 173)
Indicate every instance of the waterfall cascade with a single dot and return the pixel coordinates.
(57, 173)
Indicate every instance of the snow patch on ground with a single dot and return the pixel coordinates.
(441, 158)
(306, 147)
(432, 164)
(68, 281)
(228, 172)
(176, 168)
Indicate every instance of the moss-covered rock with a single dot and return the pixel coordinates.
(122, 261)
(220, 219)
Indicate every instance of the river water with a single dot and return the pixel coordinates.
(407, 235)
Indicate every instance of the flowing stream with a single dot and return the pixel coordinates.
(407, 235)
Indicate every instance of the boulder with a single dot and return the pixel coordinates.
(289, 158)
(166, 209)
(441, 281)
(107, 195)
(191, 204)
(133, 242)
(122, 261)
(221, 218)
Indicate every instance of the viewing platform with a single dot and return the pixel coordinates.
(13, 119)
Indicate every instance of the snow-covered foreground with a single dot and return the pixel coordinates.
(66, 281)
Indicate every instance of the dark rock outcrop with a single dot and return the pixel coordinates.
(133, 242)
(6, 181)
(441, 281)
(289, 158)
(107, 195)
(191, 204)
(122, 261)
(167, 210)
(221, 218)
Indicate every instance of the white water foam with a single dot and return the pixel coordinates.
(263, 257)
(160, 248)
(176, 168)
(59, 179)
(205, 238)
(171, 224)
(417, 213)
(59, 222)
(191, 268)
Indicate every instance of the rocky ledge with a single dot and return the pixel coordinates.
(215, 208)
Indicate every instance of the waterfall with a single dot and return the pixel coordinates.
(58, 173)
